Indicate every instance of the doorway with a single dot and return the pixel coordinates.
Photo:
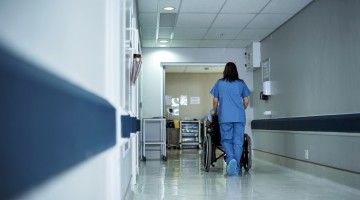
(187, 89)
(187, 101)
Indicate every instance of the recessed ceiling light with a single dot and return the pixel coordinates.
(169, 8)
(162, 45)
(163, 41)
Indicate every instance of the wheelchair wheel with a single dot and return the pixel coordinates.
(207, 148)
(247, 158)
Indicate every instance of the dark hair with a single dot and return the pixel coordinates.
(230, 72)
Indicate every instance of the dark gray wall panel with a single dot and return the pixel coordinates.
(314, 62)
(326, 150)
(349, 123)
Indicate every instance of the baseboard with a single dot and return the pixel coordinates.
(336, 175)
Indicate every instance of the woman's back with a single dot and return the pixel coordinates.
(230, 95)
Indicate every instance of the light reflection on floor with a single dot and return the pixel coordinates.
(182, 177)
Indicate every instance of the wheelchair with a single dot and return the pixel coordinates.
(212, 143)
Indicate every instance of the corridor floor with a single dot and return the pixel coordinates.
(182, 177)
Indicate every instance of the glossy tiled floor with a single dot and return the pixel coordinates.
(182, 177)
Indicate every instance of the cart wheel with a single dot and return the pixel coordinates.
(164, 158)
(204, 154)
(207, 152)
(143, 158)
(249, 154)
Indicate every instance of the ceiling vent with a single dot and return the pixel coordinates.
(167, 19)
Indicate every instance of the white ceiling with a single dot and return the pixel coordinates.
(213, 23)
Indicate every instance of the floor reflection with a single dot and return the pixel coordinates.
(182, 177)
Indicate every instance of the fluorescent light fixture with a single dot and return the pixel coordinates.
(163, 41)
(162, 45)
(169, 8)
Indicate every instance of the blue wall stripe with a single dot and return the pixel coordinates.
(47, 125)
(349, 123)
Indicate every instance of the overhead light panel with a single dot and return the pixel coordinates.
(169, 8)
(163, 41)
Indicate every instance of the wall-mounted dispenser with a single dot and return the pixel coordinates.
(264, 96)
(266, 83)
(267, 88)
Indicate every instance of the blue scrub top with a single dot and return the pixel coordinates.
(230, 95)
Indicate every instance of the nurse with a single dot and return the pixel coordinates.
(230, 99)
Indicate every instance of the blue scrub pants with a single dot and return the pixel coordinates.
(232, 139)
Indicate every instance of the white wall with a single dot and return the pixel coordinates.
(153, 76)
(66, 37)
(88, 180)
(81, 41)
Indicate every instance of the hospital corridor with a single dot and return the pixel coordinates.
(179, 100)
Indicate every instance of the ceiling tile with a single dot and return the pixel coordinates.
(239, 43)
(254, 34)
(201, 6)
(285, 6)
(148, 43)
(189, 33)
(214, 43)
(148, 32)
(244, 6)
(148, 5)
(185, 43)
(148, 19)
(268, 21)
(232, 20)
(195, 20)
(222, 33)
(167, 19)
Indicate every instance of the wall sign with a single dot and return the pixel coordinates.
(194, 100)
